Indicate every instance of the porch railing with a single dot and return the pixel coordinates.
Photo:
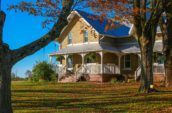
(96, 69)
(111, 69)
(61, 71)
(138, 73)
(93, 68)
(159, 69)
(89, 69)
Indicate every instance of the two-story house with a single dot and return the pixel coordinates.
(88, 50)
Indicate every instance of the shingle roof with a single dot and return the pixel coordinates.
(121, 31)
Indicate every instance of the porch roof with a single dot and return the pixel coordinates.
(134, 48)
(83, 48)
(94, 47)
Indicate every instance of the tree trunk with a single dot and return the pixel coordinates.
(146, 65)
(168, 69)
(5, 89)
(168, 43)
(5, 73)
(9, 57)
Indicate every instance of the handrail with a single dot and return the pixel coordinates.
(83, 71)
(62, 72)
(158, 69)
(138, 72)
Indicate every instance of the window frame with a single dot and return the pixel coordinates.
(85, 36)
(70, 38)
(127, 61)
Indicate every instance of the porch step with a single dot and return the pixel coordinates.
(71, 78)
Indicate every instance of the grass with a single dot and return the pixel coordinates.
(30, 97)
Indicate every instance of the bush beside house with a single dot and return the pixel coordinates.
(43, 71)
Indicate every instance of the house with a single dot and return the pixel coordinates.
(90, 52)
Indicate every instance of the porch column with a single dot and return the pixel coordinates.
(139, 55)
(101, 54)
(83, 61)
(83, 57)
(119, 62)
(65, 56)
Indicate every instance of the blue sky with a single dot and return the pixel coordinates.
(20, 29)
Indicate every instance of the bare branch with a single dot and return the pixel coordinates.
(52, 35)
(2, 21)
(155, 15)
(137, 18)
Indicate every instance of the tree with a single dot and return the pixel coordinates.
(28, 74)
(166, 28)
(43, 71)
(145, 15)
(10, 57)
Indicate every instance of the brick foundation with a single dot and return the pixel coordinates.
(159, 78)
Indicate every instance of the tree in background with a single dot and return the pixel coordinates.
(144, 15)
(28, 74)
(10, 57)
(43, 71)
(14, 77)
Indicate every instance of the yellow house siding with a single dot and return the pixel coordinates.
(134, 65)
(110, 58)
(76, 27)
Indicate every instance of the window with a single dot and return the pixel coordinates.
(127, 62)
(85, 36)
(70, 38)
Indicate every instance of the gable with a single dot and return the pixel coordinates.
(100, 27)
(76, 27)
(68, 28)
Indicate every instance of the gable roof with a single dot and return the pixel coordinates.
(121, 31)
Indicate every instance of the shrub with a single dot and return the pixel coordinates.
(43, 71)
(113, 80)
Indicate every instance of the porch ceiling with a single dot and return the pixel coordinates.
(84, 48)
(134, 48)
(95, 47)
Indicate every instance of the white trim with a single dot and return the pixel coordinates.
(158, 41)
(131, 29)
(82, 43)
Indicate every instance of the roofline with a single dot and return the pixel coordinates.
(85, 20)
(110, 36)
(76, 12)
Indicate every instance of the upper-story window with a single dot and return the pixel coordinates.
(127, 62)
(85, 36)
(70, 38)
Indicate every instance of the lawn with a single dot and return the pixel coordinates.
(30, 97)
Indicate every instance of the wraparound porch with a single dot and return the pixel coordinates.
(100, 63)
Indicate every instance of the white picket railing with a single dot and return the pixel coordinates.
(111, 69)
(138, 73)
(158, 69)
(61, 71)
(94, 68)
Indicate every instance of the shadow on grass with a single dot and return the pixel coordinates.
(98, 100)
